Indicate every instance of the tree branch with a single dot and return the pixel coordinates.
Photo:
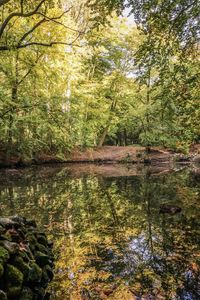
(58, 17)
(22, 6)
(48, 44)
(17, 108)
(30, 31)
(46, 19)
(184, 9)
(19, 14)
(30, 69)
(59, 23)
(7, 48)
(2, 2)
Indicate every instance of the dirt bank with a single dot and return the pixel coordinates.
(110, 155)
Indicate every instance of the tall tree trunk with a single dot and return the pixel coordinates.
(148, 148)
(14, 100)
(125, 137)
(10, 124)
(105, 131)
(103, 136)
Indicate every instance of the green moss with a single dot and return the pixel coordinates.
(35, 273)
(31, 238)
(32, 248)
(13, 292)
(49, 271)
(22, 266)
(45, 279)
(24, 256)
(41, 248)
(4, 255)
(6, 236)
(2, 229)
(1, 270)
(3, 295)
(14, 280)
(11, 247)
(42, 239)
(40, 292)
(41, 259)
(26, 294)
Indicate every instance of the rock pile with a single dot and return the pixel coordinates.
(26, 260)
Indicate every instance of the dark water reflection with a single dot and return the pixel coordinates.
(110, 240)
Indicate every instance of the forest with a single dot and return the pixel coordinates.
(85, 73)
(99, 150)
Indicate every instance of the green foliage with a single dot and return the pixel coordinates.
(84, 79)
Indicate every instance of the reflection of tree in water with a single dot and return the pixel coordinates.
(111, 234)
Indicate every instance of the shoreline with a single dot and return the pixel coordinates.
(108, 155)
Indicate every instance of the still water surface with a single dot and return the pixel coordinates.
(110, 240)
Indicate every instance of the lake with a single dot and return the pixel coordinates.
(110, 239)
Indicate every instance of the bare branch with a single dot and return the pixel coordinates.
(19, 14)
(50, 44)
(7, 48)
(22, 6)
(58, 17)
(45, 18)
(174, 22)
(48, 19)
(47, 44)
(17, 108)
(2, 2)
(54, 19)
(30, 69)
(31, 30)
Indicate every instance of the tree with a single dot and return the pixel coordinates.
(170, 31)
(31, 16)
(25, 27)
(33, 94)
(107, 88)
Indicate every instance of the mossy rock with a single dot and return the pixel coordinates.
(32, 231)
(42, 239)
(47, 296)
(3, 295)
(8, 223)
(2, 229)
(11, 247)
(1, 270)
(29, 253)
(20, 220)
(4, 255)
(49, 271)
(14, 237)
(24, 256)
(24, 275)
(42, 233)
(31, 238)
(40, 292)
(26, 294)
(13, 275)
(32, 248)
(31, 223)
(50, 244)
(14, 280)
(13, 292)
(35, 273)
(45, 279)
(6, 236)
(22, 266)
(41, 248)
(41, 259)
